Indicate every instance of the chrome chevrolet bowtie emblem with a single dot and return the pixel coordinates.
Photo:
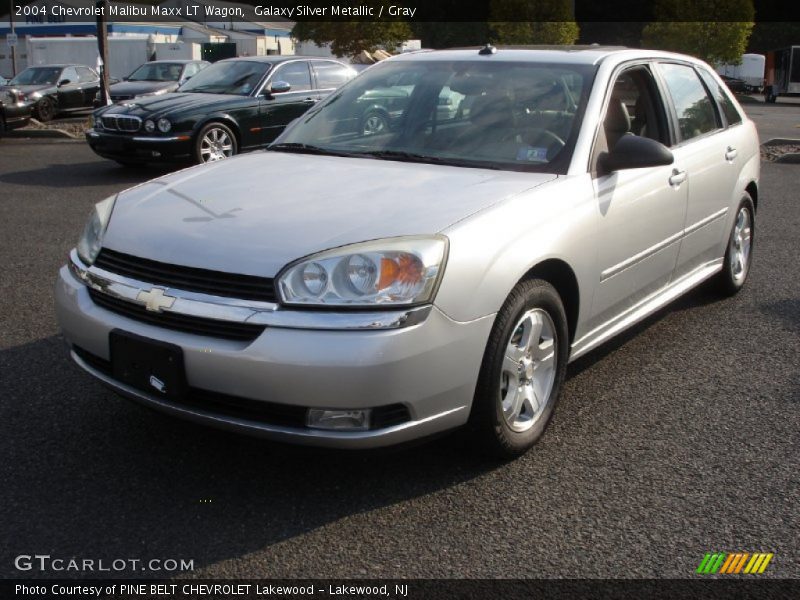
(155, 300)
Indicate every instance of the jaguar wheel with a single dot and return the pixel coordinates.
(374, 122)
(214, 142)
(523, 368)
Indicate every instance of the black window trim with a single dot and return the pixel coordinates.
(677, 138)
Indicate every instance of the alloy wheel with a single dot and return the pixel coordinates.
(529, 370)
(741, 243)
(215, 145)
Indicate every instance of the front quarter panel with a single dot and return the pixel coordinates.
(493, 250)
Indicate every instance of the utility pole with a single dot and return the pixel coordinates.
(13, 48)
(102, 49)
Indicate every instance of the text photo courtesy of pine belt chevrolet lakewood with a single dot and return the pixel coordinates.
(230, 107)
(353, 288)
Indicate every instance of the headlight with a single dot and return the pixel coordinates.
(92, 239)
(149, 126)
(97, 122)
(164, 125)
(395, 271)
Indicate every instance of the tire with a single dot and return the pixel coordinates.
(739, 250)
(214, 142)
(515, 374)
(45, 110)
(374, 122)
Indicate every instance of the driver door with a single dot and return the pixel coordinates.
(280, 109)
(641, 211)
(69, 95)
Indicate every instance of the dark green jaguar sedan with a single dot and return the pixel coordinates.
(233, 106)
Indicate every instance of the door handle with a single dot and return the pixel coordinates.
(730, 153)
(677, 177)
(309, 100)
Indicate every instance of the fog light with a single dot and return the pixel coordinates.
(341, 420)
(155, 154)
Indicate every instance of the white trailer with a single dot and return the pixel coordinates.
(750, 70)
(124, 54)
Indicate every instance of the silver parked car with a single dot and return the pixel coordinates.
(358, 288)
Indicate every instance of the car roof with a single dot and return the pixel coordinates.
(57, 66)
(279, 58)
(587, 55)
(181, 61)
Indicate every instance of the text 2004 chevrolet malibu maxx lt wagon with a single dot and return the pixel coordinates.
(357, 287)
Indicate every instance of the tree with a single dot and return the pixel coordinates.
(350, 38)
(722, 40)
(533, 22)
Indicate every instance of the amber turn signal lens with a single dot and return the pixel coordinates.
(405, 269)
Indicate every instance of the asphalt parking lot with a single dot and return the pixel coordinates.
(679, 438)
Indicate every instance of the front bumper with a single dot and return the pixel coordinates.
(430, 368)
(140, 148)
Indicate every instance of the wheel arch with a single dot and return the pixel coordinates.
(226, 120)
(752, 189)
(562, 277)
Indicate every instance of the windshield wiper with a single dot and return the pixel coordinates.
(403, 156)
(306, 149)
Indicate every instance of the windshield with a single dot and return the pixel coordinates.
(228, 77)
(37, 76)
(502, 115)
(157, 72)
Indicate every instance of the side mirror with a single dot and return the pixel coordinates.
(635, 152)
(279, 87)
(64, 82)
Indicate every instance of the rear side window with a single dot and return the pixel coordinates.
(694, 107)
(331, 74)
(732, 115)
(86, 75)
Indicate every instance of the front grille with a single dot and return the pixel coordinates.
(228, 330)
(272, 413)
(124, 123)
(217, 283)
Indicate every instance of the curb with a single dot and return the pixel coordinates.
(41, 133)
(781, 142)
(792, 159)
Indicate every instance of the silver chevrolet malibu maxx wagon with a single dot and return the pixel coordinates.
(359, 286)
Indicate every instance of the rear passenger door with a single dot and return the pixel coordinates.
(640, 211)
(707, 152)
(89, 84)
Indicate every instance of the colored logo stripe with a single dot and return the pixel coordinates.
(724, 563)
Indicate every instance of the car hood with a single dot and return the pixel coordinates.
(159, 106)
(255, 213)
(27, 89)
(133, 88)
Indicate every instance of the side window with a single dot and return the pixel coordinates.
(694, 108)
(331, 74)
(69, 73)
(190, 70)
(634, 108)
(86, 75)
(295, 74)
(732, 115)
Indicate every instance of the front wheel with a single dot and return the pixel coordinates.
(45, 110)
(214, 142)
(523, 369)
(374, 122)
(739, 253)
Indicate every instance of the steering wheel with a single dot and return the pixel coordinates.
(533, 133)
